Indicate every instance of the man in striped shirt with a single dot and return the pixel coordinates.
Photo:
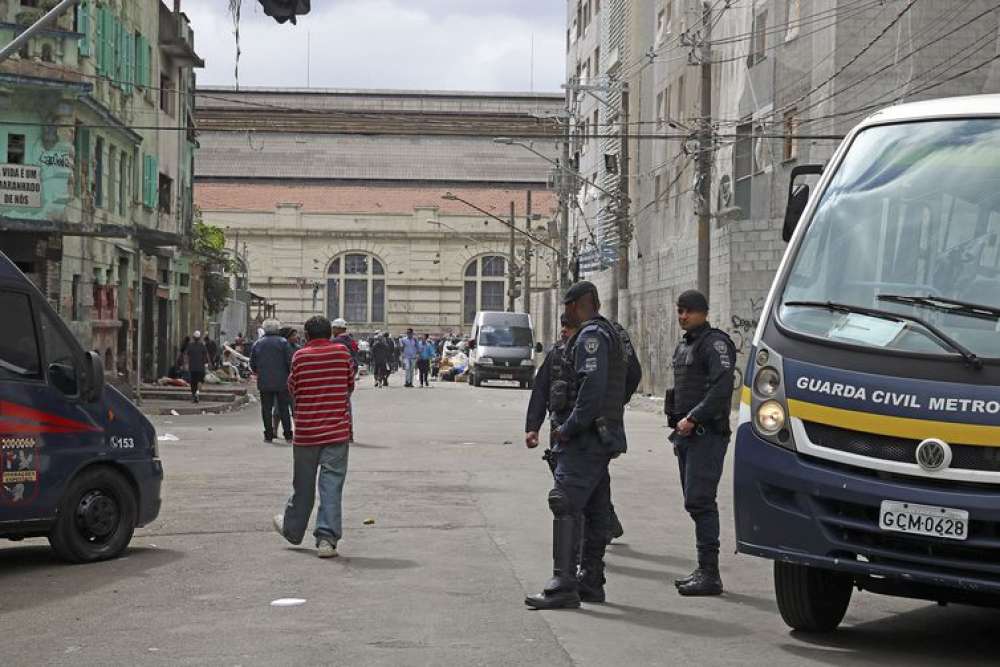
(321, 383)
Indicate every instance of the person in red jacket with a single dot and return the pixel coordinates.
(321, 383)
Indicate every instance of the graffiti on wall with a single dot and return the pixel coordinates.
(742, 327)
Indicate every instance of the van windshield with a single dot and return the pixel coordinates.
(504, 336)
(910, 224)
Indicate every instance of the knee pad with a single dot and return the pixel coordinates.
(559, 503)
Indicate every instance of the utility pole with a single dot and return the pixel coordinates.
(624, 226)
(705, 155)
(565, 192)
(526, 276)
(511, 270)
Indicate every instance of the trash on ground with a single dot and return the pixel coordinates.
(369, 522)
(168, 437)
(175, 413)
(287, 602)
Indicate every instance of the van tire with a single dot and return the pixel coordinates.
(811, 599)
(476, 380)
(97, 517)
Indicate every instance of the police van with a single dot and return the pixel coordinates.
(78, 460)
(868, 453)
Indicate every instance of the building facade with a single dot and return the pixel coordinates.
(95, 204)
(362, 204)
(788, 79)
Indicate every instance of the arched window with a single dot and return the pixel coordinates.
(355, 289)
(485, 286)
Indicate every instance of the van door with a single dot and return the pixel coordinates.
(46, 432)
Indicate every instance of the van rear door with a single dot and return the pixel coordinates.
(47, 431)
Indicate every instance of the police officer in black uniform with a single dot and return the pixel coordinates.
(590, 432)
(698, 410)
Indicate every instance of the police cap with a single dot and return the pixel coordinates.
(579, 290)
(693, 300)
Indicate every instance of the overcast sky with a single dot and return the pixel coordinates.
(411, 44)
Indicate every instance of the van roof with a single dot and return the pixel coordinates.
(945, 107)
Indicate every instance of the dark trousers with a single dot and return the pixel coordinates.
(197, 377)
(424, 366)
(583, 487)
(268, 401)
(701, 459)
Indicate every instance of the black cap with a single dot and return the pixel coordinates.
(693, 300)
(578, 290)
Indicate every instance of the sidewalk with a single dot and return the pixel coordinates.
(214, 399)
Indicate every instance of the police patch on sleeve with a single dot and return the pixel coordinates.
(591, 345)
(723, 350)
(590, 365)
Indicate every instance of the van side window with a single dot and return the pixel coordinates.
(62, 370)
(18, 345)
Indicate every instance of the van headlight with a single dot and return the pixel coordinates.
(527, 362)
(767, 383)
(770, 417)
(485, 361)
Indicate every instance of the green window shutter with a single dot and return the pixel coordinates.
(145, 180)
(128, 49)
(118, 52)
(99, 41)
(83, 24)
(109, 43)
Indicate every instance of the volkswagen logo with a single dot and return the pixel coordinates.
(933, 455)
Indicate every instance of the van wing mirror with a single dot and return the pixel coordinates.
(798, 197)
(94, 388)
(472, 343)
(539, 348)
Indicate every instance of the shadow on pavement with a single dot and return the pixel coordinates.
(43, 578)
(368, 563)
(698, 626)
(930, 635)
(623, 549)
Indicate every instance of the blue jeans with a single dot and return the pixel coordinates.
(408, 364)
(331, 462)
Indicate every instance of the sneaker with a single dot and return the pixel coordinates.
(326, 549)
(279, 524)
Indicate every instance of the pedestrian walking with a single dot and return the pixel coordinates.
(213, 352)
(698, 410)
(381, 349)
(410, 351)
(341, 336)
(427, 352)
(320, 383)
(588, 435)
(271, 361)
(197, 359)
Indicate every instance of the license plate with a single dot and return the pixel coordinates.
(506, 376)
(924, 520)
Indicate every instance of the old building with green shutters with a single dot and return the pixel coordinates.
(96, 158)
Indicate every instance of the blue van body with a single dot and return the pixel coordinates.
(60, 422)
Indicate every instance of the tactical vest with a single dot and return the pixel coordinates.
(613, 402)
(562, 382)
(691, 380)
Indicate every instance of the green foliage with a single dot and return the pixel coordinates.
(217, 292)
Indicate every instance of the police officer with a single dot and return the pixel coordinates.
(698, 410)
(590, 433)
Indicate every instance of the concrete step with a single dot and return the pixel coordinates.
(171, 406)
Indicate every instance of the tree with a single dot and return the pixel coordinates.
(210, 242)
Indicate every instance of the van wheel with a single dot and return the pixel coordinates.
(811, 599)
(97, 517)
(476, 380)
(530, 384)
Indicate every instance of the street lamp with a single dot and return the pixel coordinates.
(450, 197)
(508, 141)
(438, 223)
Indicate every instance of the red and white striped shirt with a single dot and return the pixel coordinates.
(321, 383)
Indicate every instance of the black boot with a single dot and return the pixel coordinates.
(591, 583)
(560, 592)
(680, 581)
(616, 527)
(704, 581)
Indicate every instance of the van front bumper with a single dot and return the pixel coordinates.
(148, 476)
(519, 373)
(801, 510)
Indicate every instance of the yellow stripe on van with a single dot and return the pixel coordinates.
(899, 427)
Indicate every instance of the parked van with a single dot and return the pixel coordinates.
(78, 460)
(502, 347)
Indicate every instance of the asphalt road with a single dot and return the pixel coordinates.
(462, 532)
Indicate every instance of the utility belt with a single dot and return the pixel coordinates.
(719, 425)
